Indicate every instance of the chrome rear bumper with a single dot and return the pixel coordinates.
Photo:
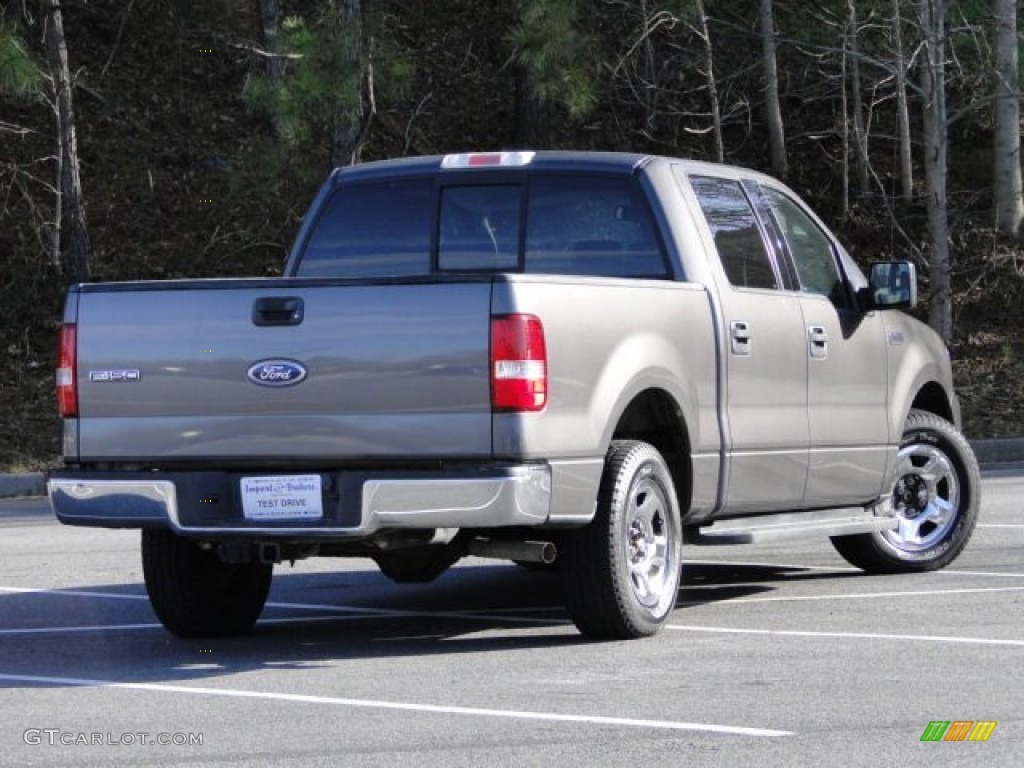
(355, 504)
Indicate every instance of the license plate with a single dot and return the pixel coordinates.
(284, 497)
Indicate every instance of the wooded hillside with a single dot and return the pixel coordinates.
(202, 130)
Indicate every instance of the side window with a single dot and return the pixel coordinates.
(740, 245)
(372, 230)
(810, 248)
(591, 225)
(479, 227)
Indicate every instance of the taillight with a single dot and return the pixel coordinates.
(67, 383)
(519, 363)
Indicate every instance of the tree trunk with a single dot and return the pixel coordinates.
(931, 14)
(902, 110)
(74, 263)
(773, 110)
(1009, 195)
(270, 21)
(709, 76)
(270, 18)
(844, 127)
(859, 135)
(533, 116)
(349, 112)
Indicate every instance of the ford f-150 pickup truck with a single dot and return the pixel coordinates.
(581, 360)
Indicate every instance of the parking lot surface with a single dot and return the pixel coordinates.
(776, 655)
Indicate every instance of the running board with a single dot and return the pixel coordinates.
(790, 525)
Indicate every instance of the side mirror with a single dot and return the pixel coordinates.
(892, 285)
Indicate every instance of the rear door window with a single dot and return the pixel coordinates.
(741, 247)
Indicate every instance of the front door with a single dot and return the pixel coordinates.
(847, 390)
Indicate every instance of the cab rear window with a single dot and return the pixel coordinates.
(373, 230)
(571, 224)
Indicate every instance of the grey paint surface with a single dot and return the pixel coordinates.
(391, 367)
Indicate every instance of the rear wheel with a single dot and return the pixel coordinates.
(935, 495)
(622, 571)
(196, 594)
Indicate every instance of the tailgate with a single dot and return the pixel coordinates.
(371, 370)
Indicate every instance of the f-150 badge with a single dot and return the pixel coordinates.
(276, 373)
(129, 375)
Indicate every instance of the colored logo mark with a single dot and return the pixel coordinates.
(958, 730)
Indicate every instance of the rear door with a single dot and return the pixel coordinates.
(766, 367)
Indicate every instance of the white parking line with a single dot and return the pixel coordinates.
(87, 628)
(847, 635)
(72, 593)
(836, 568)
(401, 706)
(864, 595)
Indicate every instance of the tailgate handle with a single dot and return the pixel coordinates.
(277, 310)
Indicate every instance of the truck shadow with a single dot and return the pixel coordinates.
(318, 619)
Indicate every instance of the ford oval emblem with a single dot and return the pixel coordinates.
(276, 373)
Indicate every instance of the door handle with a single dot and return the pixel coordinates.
(277, 310)
(817, 341)
(740, 338)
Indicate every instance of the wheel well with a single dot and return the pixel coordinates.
(932, 398)
(654, 417)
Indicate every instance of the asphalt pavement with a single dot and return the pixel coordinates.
(776, 655)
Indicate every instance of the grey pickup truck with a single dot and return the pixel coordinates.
(577, 361)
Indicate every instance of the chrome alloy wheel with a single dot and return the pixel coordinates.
(651, 545)
(925, 497)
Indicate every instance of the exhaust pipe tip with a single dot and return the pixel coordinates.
(522, 551)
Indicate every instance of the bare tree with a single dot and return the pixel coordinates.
(856, 106)
(773, 110)
(74, 261)
(902, 109)
(931, 17)
(1009, 194)
(709, 76)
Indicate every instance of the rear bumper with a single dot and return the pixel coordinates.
(355, 504)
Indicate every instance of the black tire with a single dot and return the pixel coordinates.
(621, 572)
(936, 494)
(416, 567)
(196, 594)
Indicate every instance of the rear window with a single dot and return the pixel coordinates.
(373, 230)
(591, 226)
(553, 224)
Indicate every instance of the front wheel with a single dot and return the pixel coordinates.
(196, 594)
(622, 571)
(935, 495)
